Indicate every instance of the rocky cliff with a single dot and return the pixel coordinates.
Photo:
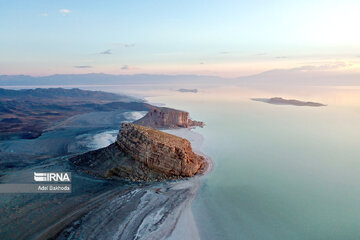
(142, 153)
(161, 117)
(160, 151)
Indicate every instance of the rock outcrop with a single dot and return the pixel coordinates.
(160, 151)
(162, 117)
(143, 154)
(112, 162)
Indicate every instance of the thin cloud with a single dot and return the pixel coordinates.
(107, 52)
(64, 11)
(322, 67)
(282, 57)
(224, 52)
(128, 67)
(83, 66)
(44, 14)
(311, 68)
(201, 63)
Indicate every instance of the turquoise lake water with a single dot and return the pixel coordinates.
(281, 172)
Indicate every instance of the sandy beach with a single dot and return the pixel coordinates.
(186, 227)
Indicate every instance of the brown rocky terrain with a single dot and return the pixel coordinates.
(27, 113)
(162, 117)
(142, 153)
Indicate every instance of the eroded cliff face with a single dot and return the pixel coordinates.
(161, 117)
(142, 154)
(160, 151)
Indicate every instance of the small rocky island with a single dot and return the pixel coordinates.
(293, 102)
(185, 90)
(142, 154)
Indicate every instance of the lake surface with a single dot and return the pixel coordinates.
(281, 172)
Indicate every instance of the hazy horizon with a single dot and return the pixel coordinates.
(301, 76)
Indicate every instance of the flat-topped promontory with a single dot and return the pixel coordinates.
(168, 118)
(143, 153)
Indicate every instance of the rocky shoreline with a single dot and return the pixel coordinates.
(143, 153)
(159, 210)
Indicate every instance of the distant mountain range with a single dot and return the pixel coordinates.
(284, 77)
(304, 76)
(102, 79)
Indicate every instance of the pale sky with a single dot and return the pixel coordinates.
(223, 37)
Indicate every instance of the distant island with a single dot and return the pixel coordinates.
(187, 90)
(293, 102)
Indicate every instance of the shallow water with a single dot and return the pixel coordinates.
(281, 172)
